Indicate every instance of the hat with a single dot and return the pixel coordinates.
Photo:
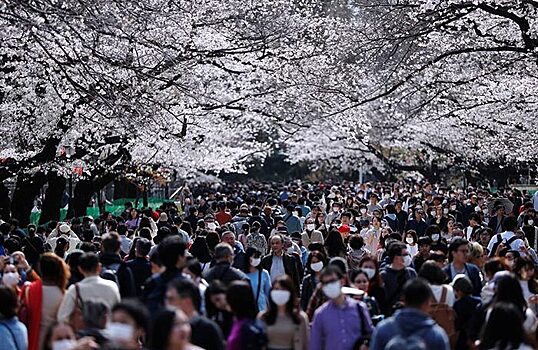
(295, 235)
(282, 229)
(244, 206)
(163, 217)
(462, 283)
(64, 228)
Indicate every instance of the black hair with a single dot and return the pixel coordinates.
(186, 289)
(356, 242)
(251, 252)
(10, 301)
(170, 249)
(416, 292)
(143, 245)
(431, 272)
(200, 250)
(508, 289)
(510, 223)
(504, 328)
(88, 262)
(161, 328)
(394, 249)
(269, 317)
(241, 300)
(331, 270)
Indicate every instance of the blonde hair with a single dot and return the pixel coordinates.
(476, 251)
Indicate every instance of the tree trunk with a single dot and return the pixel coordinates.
(5, 202)
(53, 198)
(26, 189)
(84, 191)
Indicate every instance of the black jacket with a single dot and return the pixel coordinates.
(141, 269)
(225, 273)
(290, 267)
(124, 274)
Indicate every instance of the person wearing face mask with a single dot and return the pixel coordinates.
(530, 229)
(11, 277)
(334, 214)
(128, 325)
(396, 273)
(411, 242)
(62, 337)
(342, 321)
(260, 280)
(314, 264)
(360, 280)
(255, 239)
(358, 251)
(286, 325)
(417, 223)
(459, 252)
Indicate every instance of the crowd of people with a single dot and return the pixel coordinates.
(299, 266)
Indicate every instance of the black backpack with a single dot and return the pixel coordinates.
(508, 243)
(110, 272)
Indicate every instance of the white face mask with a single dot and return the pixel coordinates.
(432, 213)
(280, 297)
(452, 207)
(530, 222)
(336, 209)
(119, 331)
(332, 290)
(65, 344)
(255, 261)
(310, 227)
(409, 240)
(369, 272)
(10, 279)
(211, 226)
(407, 260)
(317, 266)
(435, 237)
(363, 210)
(445, 210)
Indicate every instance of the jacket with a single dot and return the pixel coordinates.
(315, 237)
(225, 273)
(124, 274)
(472, 272)
(290, 267)
(408, 322)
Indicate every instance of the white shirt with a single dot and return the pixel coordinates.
(505, 236)
(93, 288)
(437, 291)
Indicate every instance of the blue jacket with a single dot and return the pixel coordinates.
(13, 334)
(472, 272)
(407, 322)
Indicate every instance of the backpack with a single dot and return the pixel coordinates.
(445, 316)
(253, 336)
(110, 272)
(508, 244)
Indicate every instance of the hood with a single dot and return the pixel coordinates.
(411, 320)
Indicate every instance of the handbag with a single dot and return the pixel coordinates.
(364, 339)
(76, 319)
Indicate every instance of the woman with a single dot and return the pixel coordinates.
(193, 269)
(13, 334)
(435, 276)
(286, 325)
(11, 277)
(504, 329)
(217, 307)
(477, 255)
(171, 331)
(335, 244)
(411, 242)
(128, 325)
(200, 250)
(320, 224)
(260, 280)
(314, 264)
(484, 236)
(450, 227)
(526, 274)
(212, 239)
(62, 246)
(240, 298)
(41, 299)
(361, 281)
(133, 221)
(373, 235)
(375, 287)
(72, 261)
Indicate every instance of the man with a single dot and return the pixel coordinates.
(345, 219)
(334, 214)
(341, 321)
(424, 245)
(392, 217)
(411, 325)
(185, 296)
(171, 254)
(507, 239)
(140, 265)
(280, 263)
(458, 252)
(223, 269)
(417, 223)
(293, 223)
(239, 251)
(257, 217)
(92, 287)
(222, 216)
(373, 205)
(396, 274)
(114, 267)
(125, 242)
(496, 223)
(474, 226)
